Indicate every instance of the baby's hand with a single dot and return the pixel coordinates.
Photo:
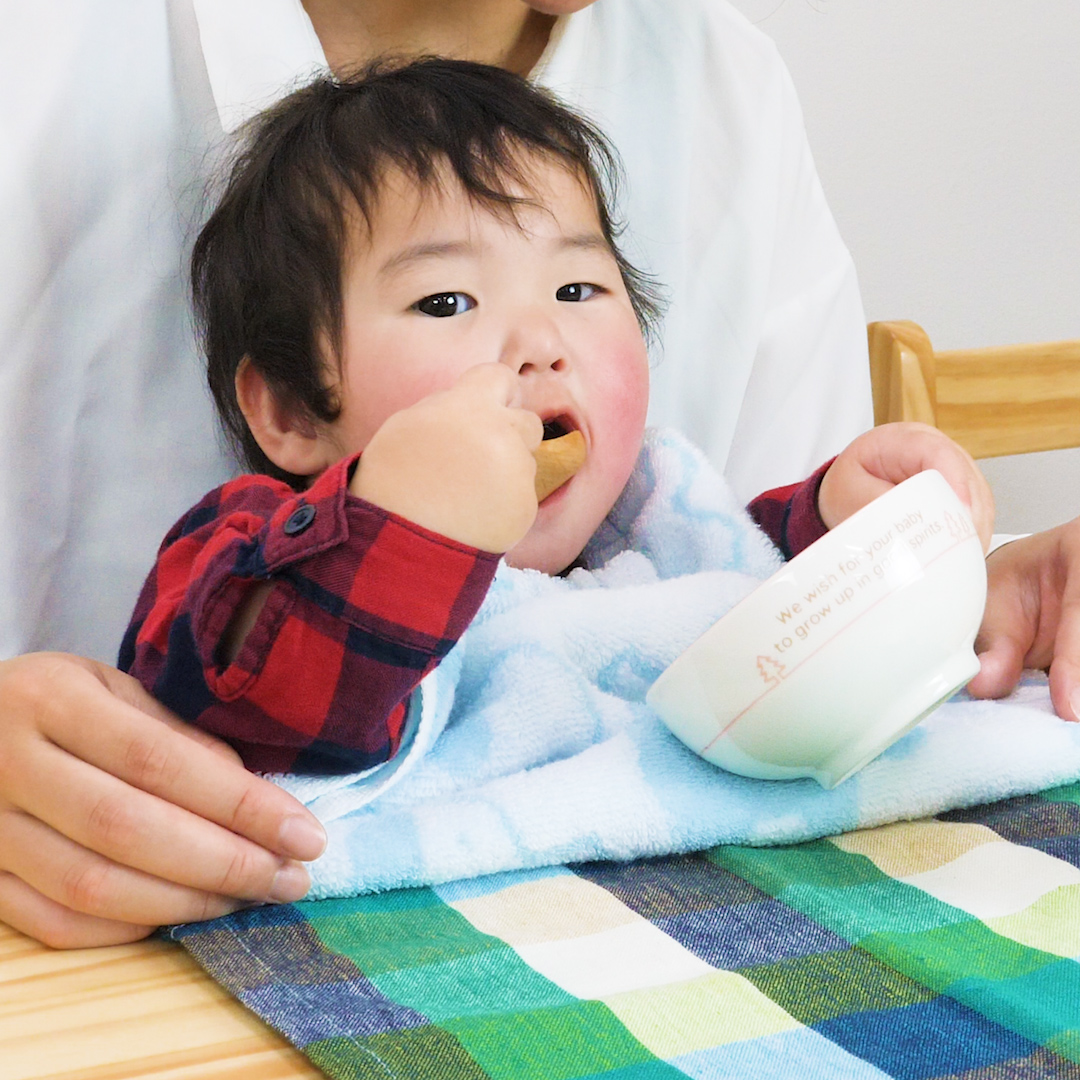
(884, 456)
(459, 462)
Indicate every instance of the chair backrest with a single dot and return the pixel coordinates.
(1013, 399)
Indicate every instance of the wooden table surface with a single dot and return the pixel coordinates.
(143, 1010)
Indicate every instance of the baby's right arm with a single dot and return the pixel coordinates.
(296, 626)
(360, 606)
(459, 462)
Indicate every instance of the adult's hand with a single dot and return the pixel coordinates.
(115, 817)
(1033, 617)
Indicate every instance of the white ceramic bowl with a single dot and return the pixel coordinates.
(843, 650)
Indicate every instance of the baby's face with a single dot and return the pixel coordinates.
(441, 284)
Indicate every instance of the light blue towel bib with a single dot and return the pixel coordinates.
(532, 745)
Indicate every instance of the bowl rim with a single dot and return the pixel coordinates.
(832, 534)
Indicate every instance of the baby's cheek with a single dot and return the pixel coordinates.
(626, 403)
(389, 391)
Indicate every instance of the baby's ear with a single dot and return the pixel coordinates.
(294, 444)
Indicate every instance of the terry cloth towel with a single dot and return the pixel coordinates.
(532, 744)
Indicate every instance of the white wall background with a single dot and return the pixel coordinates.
(947, 136)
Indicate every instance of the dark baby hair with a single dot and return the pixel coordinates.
(267, 267)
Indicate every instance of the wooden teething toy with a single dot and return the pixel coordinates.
(556, 461)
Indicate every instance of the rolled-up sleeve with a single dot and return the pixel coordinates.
(363, 604)
(789, 515)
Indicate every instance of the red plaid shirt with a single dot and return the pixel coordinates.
(789, 515)
(364, 605)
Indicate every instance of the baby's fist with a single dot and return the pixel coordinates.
(459, 462)
(885, 456)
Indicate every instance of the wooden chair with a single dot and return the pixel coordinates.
(1014, 399)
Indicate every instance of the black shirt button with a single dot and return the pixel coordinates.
(299, 520)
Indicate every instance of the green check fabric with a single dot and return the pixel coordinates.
(941, 948)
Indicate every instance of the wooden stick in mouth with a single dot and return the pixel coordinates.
(556, 461)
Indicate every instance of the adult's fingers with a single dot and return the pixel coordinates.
(1065, 665)
(131, 691)
(1032, 617)
(83, 881)
(1010, 630)
(1065, 685)
(1001, 661)
(92, 724)
(99, 813)
(26, 910)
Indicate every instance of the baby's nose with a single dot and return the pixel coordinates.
(535, 345)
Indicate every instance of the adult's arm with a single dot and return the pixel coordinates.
(116, 818)
(808, 394)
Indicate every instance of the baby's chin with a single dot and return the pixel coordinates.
(548, 558)
(567, 519)
(551, 545)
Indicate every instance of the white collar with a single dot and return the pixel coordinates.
(255, 51)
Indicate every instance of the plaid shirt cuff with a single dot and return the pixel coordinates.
(789, 515)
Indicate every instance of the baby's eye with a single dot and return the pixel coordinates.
(579, 290)
(441, 305)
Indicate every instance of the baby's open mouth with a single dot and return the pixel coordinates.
(559, 456)
(557, 427)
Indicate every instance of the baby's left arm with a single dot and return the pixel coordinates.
(795, 516)
(884, 456)
(1032, 614)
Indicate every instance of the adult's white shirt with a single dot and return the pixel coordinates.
(114, 113)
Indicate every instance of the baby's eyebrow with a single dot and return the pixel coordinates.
(589, 241)
(419, 252)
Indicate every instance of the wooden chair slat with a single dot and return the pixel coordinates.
(1014, 399)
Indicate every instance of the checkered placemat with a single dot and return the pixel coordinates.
(935, 948)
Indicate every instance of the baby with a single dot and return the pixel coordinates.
(411, 280)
